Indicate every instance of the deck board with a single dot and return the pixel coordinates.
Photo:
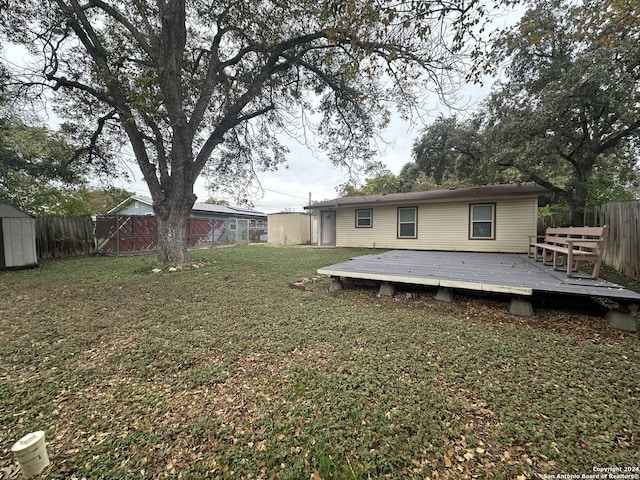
(490, 272)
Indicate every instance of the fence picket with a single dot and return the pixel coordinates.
(62, 237)
(623, 243)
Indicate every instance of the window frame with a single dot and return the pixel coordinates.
(415, 223)
(472, 221)
(370, 218)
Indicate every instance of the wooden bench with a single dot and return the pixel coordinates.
(573, 244)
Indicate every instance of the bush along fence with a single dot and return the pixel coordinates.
(63, 237)
(121, 234)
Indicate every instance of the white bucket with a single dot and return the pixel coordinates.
(31, 453)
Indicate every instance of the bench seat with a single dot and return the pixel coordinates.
(573, 244)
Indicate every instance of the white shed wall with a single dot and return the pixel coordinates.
(288, 228)
(19, 239)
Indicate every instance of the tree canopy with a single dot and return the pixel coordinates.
(207, 86)
(35, 174)
(40, 172)
(567, 115)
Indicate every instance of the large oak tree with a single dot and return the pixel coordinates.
(566, 116)
(569, 115)
(205, 85)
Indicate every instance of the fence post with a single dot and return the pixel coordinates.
(117, 235)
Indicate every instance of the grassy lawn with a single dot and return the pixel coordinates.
(227, 371)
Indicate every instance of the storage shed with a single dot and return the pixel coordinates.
(17, 239)
(292, 228)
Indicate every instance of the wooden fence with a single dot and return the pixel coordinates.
(62, 237)
(623, 242)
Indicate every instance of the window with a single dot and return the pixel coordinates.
(482, 221)
(364, 218)
(408, 222)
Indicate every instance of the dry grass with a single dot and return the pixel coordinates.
(226, 371)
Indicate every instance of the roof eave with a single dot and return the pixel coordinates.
(336, 203)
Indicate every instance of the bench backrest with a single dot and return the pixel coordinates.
(561, 236)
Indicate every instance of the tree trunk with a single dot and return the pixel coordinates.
(172, 217)
(578, 204)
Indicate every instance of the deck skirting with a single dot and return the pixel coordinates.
(514, 274)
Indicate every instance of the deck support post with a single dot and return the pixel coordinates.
(444, 294)
(626, 318)
(521, 307)
(387, 289)
(335, 285)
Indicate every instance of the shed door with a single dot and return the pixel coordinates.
(19, 241)
(328, 228)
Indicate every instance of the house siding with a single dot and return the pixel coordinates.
(136, 208)
(443, 226)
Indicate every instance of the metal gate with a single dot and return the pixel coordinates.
(118, 234)
(242, 231)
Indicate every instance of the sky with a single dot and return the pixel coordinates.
(312, 173)
(308, 174)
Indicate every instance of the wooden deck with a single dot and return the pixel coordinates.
(490, 272)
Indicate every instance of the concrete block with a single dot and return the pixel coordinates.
(521, 307)
(627, 321)
(335, 285)
(444, 295)
(387, 289)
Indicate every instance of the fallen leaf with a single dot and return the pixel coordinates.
(316, 476)
(447, 461)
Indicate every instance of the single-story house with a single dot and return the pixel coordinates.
(494, 218)
(17, 238)
(143, 205)
(292, 228)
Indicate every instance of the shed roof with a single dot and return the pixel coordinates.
(9, 211)
(436, 196)
(199, 207)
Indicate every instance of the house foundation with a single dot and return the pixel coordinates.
(445, 295)
(520, 307)
(626, 318)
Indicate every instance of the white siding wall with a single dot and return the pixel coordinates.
(443, 226)
(136, 208)
(19, 242)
